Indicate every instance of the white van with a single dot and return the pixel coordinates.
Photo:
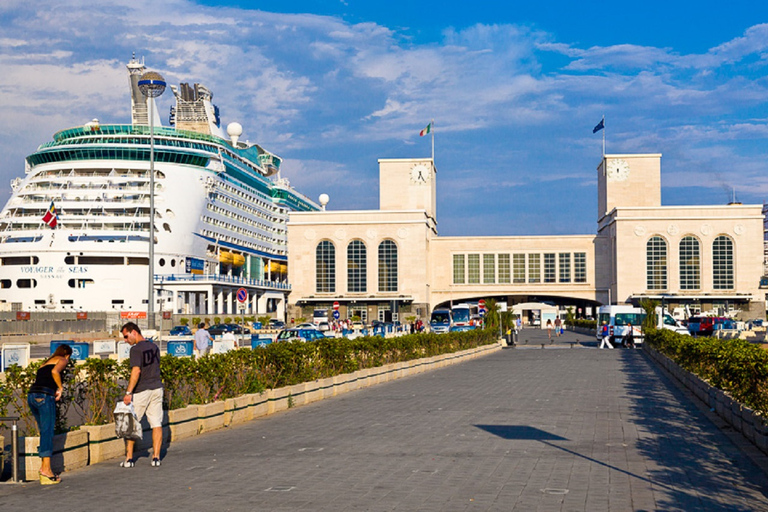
(619, 317)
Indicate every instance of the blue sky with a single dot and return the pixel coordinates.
(515, 89)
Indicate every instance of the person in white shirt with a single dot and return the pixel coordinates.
(203, 340)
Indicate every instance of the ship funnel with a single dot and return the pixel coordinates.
(234, 130)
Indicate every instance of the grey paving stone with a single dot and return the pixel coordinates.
(523, 429)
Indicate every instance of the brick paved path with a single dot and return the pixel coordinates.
(572, 429)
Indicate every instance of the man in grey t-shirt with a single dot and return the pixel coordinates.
(145, 390)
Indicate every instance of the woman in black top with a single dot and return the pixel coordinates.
(42, 398)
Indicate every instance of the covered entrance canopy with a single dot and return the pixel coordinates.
(535, 313)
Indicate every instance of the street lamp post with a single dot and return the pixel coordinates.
(151, 85)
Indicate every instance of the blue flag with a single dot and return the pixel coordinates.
(599, 126)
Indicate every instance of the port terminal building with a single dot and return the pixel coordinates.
(391, 263)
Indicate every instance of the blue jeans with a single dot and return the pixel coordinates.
(43, 408)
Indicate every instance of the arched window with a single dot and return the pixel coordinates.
(357, 267)
(325, 267)
(722, 263)
(387, 266)
(656, 263)
(690, 264)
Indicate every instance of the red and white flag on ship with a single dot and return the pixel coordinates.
(51, 217)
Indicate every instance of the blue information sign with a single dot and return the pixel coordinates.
(336, 314)
(180, 348)
(80, 350)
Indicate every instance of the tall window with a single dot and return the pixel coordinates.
(722, 263)
(534, 268)
(489, 268)
(656, 263)
(549, 267)
(565, 267)
(579, 267)
(690, 264)
(503, 268)
(357, 267)
(387, 266)
(325, 267)
(458, 269)
(473, 268)
(518, 268)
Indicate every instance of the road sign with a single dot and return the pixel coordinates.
(336, 315)
(481, 312)
(242, 295)
(335, 305)
(481, 303)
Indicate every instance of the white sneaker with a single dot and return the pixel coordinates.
(155, 463)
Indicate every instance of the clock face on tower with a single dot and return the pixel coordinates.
(420, 173)
(617, 170)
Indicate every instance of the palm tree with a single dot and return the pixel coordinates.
(649, 306)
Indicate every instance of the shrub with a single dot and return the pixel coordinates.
(184, 321)
(735, 366)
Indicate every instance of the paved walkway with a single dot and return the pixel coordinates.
(523, 429)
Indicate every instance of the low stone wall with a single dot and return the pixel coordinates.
(91, 445)
(743, 419)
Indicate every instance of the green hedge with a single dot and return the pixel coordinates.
(735, 366)
(586, 324)
(93, 388)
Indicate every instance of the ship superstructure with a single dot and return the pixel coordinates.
(221, 210)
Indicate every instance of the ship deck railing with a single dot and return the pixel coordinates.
(218, 278)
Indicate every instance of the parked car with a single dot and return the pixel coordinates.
(324, 326)
(274, 323)
(218, 329)
(306, 325)
(706, 325)
(358, 326)
(295, 334)
(181, 330)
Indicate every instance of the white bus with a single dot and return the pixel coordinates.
(619, 317)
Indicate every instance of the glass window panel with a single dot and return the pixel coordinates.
(565, 267)
(357, 267)
(690, 264)
(489, 268)
(534, 268)
(503, 268)
(387, 266)
(459, 272)
(722, 263)
(473, 268)
(656, 263)
(325, 267)
(579, 267)
(549, 267)
(518, 268)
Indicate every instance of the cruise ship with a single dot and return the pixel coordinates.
(74, 236)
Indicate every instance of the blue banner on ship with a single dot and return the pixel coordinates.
(195, 266)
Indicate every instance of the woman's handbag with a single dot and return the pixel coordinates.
(127, 424)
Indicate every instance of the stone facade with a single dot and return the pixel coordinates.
(703, 256)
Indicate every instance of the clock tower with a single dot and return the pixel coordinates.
(628, 180)
(408, 184)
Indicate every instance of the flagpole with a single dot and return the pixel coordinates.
(432, 122)
(603, 135)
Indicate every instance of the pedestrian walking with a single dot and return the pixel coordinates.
(557, 326)
(605, 335)
(203, 340)
(549, 328)
(42, 398)
(629, 339)
(145, 390)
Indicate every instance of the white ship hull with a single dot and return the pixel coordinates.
(220, 223)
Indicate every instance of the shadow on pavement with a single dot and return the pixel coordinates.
(689, 453)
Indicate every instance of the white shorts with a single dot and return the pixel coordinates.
(150, 402)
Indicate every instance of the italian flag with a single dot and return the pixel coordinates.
(426, 130)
